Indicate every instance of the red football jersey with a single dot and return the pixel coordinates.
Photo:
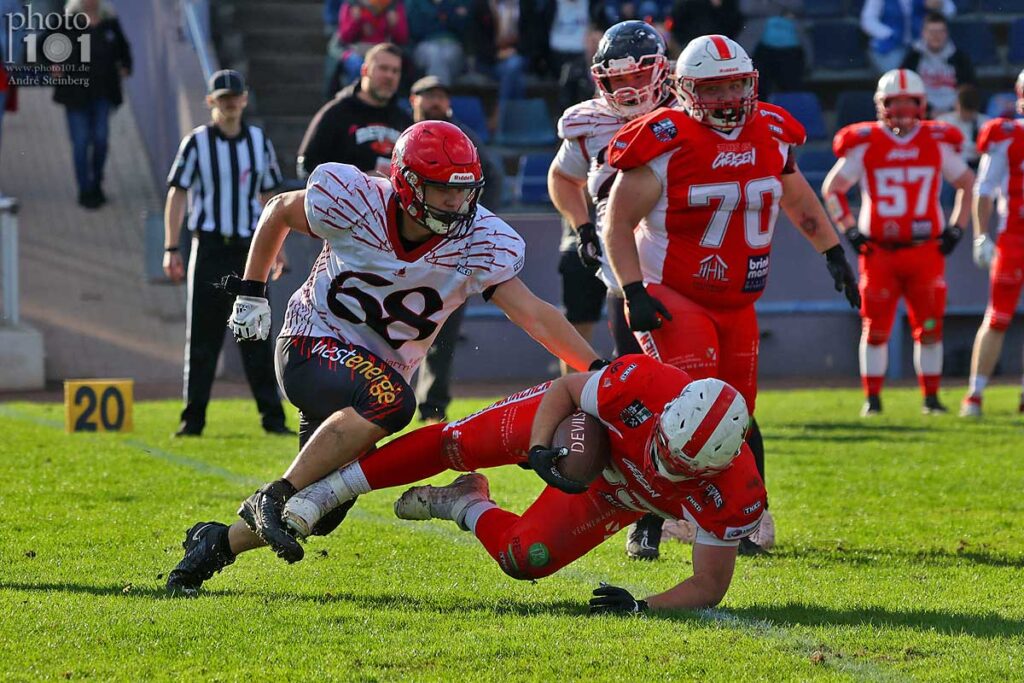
(631, 394)
(1002, 169)
(710, 235)
(900, 177)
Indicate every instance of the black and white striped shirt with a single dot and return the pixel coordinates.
(224, 177)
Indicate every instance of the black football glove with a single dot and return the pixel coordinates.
(614, 600)
(842, 275)
(589, 247)
(857, 239)
(949, 238)
(543, 461)
(644, 309)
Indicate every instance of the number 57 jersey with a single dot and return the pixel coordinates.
(370, 288)
(710, 234)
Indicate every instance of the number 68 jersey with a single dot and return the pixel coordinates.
(369, 288)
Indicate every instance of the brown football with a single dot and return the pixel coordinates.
(587, 441)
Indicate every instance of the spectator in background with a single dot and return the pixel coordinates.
(437, 28)
(940, 64)
(332, 9)
(892, 24)
(361, 124)
(969, 119)
(509, 65)
(431, 101)
(779, 56)
(693, 18)
(361, 25)
(89, 105)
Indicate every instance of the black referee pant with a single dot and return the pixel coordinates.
(209, 307)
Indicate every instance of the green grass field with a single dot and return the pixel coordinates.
(900, 556)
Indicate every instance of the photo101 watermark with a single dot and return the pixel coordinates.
(38, 46)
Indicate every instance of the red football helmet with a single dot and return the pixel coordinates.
(437, 153)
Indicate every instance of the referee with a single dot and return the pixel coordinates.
(225, 171)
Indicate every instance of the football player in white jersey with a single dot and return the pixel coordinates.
(399, 256)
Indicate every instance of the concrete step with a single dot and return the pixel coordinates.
(285, 40)
(286, 69)
(289, 98)
(295, 14)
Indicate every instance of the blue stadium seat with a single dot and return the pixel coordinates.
(468, 109)
(824, 9)
(965, 6)
(1001, 6)
(1002, 104)
(525, 123)
(532, 179)
(838, 45)
(815, 164)
(976, 39)
(854, 106)
(1016, 42)
(807, 110)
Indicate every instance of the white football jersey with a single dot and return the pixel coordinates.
(367, 289)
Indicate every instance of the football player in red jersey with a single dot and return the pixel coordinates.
(677, 450)
(901, 234)
(1001, 173)
(399, 256)
(703, 185)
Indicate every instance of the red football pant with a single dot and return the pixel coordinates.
(706, 342)
(553, 532)
(915, 273)
(1005, 281)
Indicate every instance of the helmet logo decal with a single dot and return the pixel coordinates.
(721, 47)
(462, 178)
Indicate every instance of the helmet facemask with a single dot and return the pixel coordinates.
(450, 224)
(631, 102)
(901, 117)
(725, 113)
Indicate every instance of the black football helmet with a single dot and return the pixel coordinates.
(628, 48)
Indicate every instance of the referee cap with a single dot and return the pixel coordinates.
(226, 82)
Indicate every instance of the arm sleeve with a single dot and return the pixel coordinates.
(272, 178)
(851, 165)
(570, 159)
(588, 398)
(659, 167)
(705, 537)
(953, 164)
(183, 170)
(992, 174)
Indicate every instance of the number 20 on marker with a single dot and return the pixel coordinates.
(98, 405)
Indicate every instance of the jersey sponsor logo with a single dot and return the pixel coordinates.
(771, 114)
(751, 509)
(613, 501)
(381, 387)
(921, 228)
(635, 414)
(903, 154)
(735, 532)
(757, 273)
(627, 372)
(664, 130)
(735, 159)
(712, 268)
(775, 129)
(713, 495)
(890, 230)
(640, 478)
(694, 504)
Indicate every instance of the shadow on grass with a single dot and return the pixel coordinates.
(987, 625)
(870, 556)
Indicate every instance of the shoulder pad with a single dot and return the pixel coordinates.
(647, 138)
(851, 136)
(945, 133)
(782, 124)
(580, 120)
(995, 131)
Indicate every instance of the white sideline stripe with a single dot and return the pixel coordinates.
(804, 645)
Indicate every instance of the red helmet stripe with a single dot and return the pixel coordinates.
(903, 79)
(722, 46)
(710, 422)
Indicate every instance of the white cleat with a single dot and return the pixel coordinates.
(764, 536)
(444, 502)
(970, 407)
(305, 508)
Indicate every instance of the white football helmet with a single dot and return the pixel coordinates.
(900, 83)
(1020, 92)
(715, 58)
(701, 430)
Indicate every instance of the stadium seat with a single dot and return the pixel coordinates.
(854, 106)
(532, 179)
(525, 123)
(815, 164)
(1015, 55)
(1002, 104)
(1001, 6)
(976, 39)
(468, 109)
(824, 9)
(965, 6)
(838, 45)
(807, 110)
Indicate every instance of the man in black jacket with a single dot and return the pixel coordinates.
(940, 64)
(363, 121)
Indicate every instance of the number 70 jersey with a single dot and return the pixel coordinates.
(369, 288)
(710, 234)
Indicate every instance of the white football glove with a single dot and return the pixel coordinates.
(984, 249)
(250, 319)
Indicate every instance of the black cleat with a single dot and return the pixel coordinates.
(185, 429)
(872, 406)
(262, 512)
(644, 537)
(206, 553)
(932, 406)
(749, 548)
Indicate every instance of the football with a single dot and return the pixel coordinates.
(587, 441)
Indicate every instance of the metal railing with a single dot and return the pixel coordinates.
(9, 260)
(197, 14)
